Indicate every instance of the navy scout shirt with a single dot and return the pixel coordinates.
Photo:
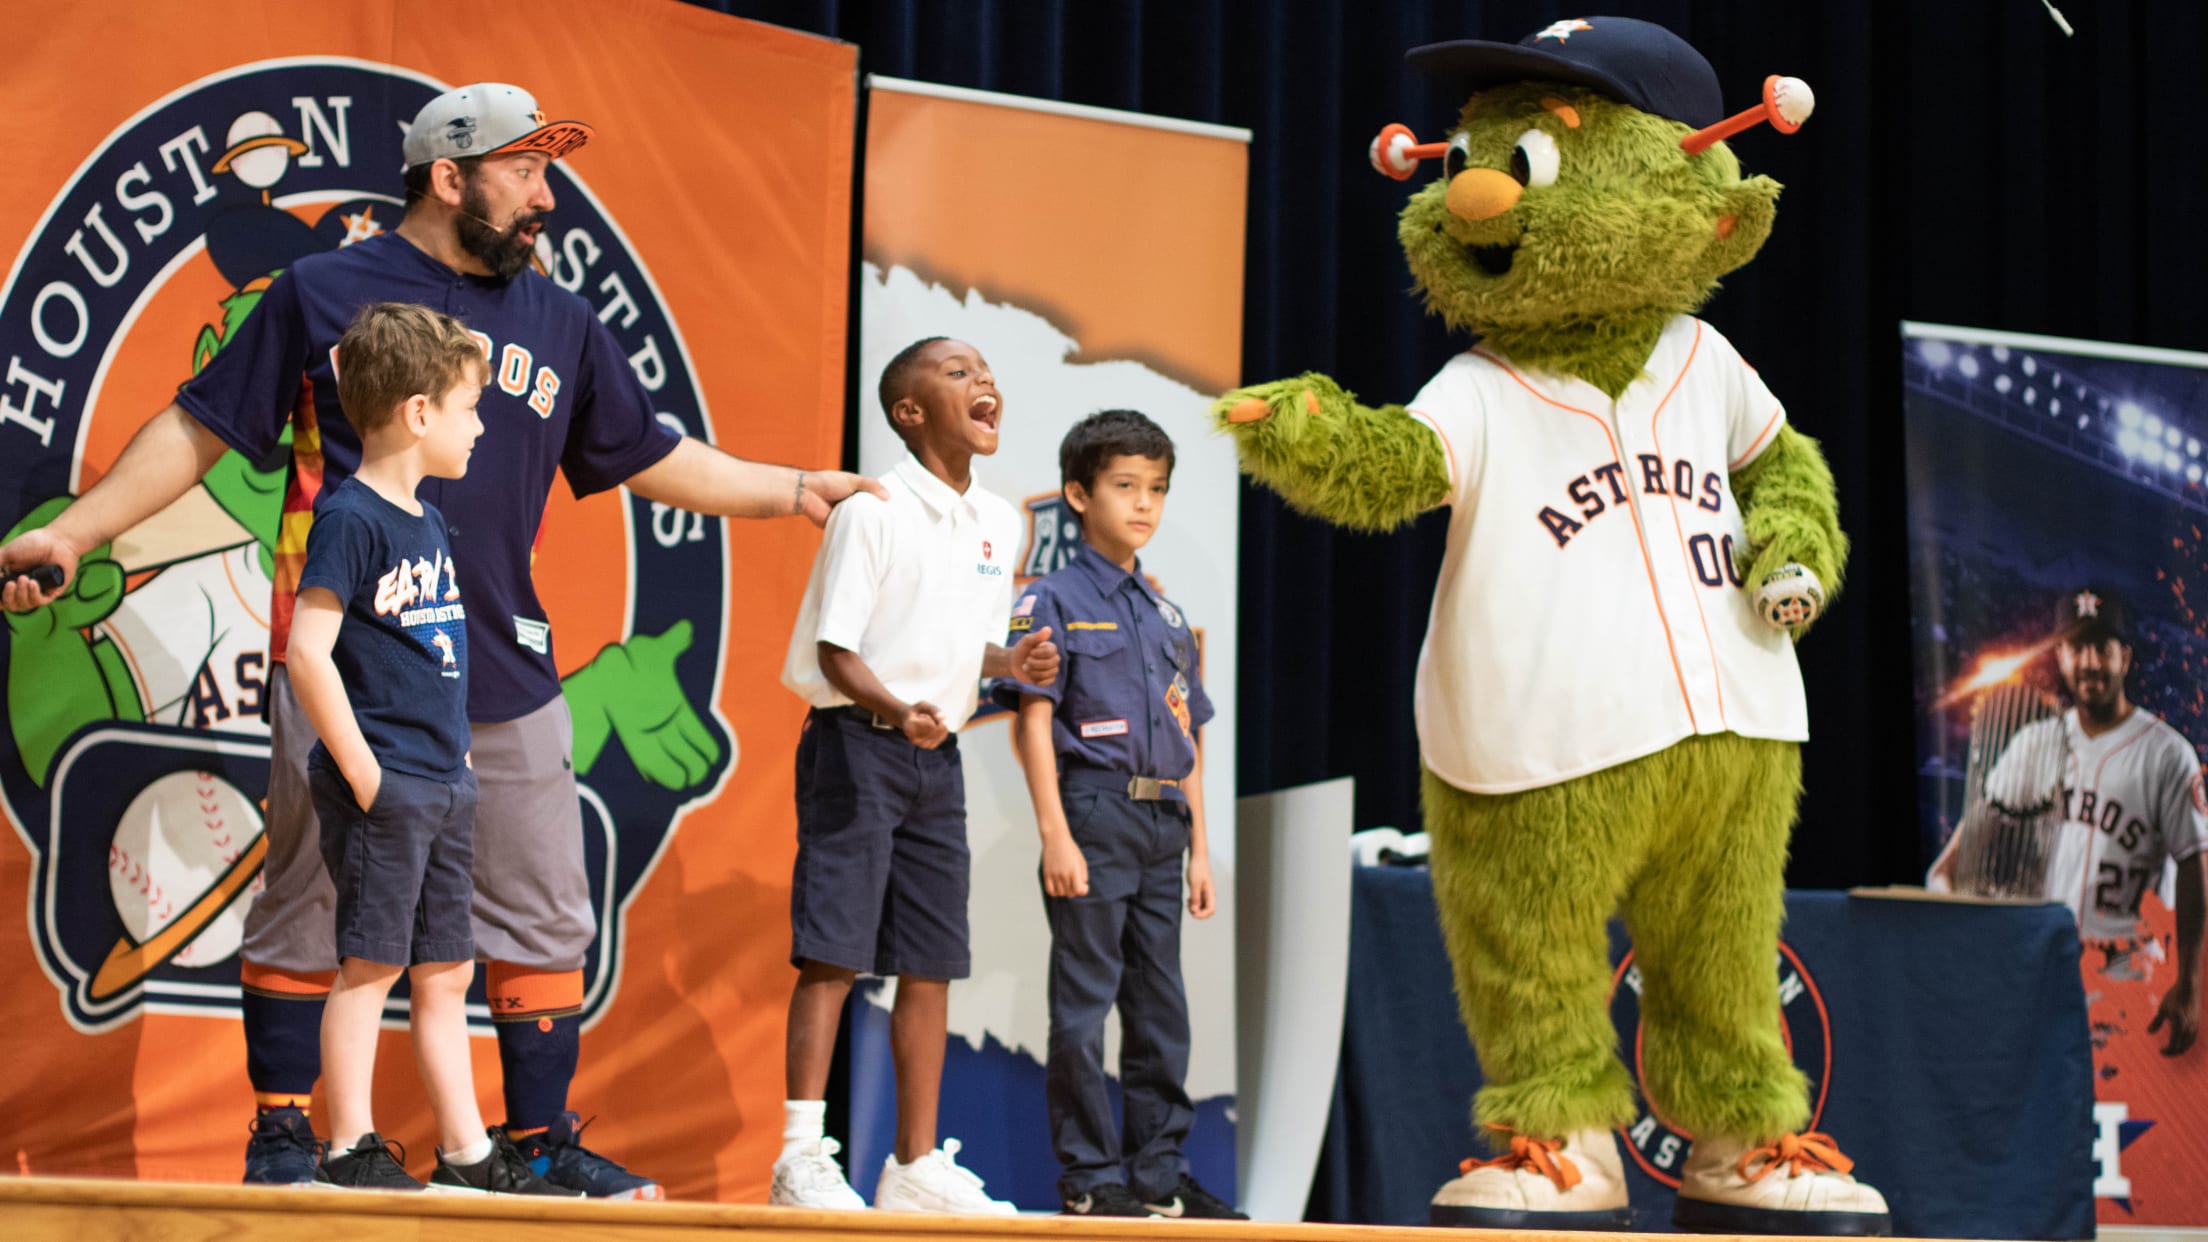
(1128, 697)
(562, 397)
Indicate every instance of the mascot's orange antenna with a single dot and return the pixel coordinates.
(1787, 102)
(1396, 151)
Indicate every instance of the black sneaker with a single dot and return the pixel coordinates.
(557, 1155)
(283, 1150)
(370, 1165)
(1106, 1199)
(504, 1172)
(1194, 1202)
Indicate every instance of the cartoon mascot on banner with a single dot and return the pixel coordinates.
(1609, 709)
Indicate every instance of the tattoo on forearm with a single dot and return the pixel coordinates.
(798, 504)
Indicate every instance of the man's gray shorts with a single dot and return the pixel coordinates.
(532, 894)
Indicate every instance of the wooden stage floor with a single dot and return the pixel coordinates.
(56, 1209)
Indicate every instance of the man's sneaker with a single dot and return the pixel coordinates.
(1795, 1184)
(935, 1183)
(370, 1165)
(283, 1150)
(557, 1155)
(810, 1177)
(1574, 1181)
(1106, 1199)
(504, 1172)
(1191, 1200)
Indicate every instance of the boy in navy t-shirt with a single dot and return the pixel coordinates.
(1115, 770)
(378, 656)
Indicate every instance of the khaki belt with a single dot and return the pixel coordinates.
(1137, 788)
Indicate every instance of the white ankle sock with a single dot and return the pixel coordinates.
(803, 1123)
(344, 1146)
(473, 1153)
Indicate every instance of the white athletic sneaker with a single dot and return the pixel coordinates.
(810, 1177)
(935, 1183)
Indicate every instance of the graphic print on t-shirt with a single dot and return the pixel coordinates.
(423, 594)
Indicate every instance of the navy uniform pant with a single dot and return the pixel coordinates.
(1120, 944)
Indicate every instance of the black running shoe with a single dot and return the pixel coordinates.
(1191, 1200)
(504, 1172)
(370, 1165)
(1106, 1199)
(283, 1150)
(557, 1155)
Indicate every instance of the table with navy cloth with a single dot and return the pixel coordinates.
(1950, 1042)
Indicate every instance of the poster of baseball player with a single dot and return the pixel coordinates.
(2059, 602)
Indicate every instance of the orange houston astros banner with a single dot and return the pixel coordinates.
(169, 161)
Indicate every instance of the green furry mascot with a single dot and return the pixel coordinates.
(1609, 709)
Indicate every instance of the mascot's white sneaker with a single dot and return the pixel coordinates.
(1794, 1184)
(1576, 1182)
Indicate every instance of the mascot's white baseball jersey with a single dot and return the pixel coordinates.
(2132, 803)
(1590, 608)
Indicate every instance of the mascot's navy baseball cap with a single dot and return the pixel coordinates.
(2092, 613)
(1635, 62)
(485, 119)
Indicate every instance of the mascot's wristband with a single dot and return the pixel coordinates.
(1790, 597)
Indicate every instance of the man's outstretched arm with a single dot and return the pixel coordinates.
(703, 479)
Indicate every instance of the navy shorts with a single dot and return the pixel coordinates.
(880, 884)
(401, 866)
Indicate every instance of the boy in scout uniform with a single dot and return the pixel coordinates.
(1115, 770)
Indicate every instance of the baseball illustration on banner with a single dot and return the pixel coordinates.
(178, 837)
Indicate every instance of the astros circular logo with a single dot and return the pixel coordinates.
(134, 756)
(1658, 1146)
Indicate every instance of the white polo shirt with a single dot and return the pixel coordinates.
(1590, 609)
(917, 587)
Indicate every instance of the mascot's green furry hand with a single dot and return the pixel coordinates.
(1793, 518)
(1329, 457)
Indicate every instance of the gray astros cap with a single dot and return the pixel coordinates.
(484, 119)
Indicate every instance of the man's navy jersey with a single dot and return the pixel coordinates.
(561, 397)
(402, 650)
(1129, 697)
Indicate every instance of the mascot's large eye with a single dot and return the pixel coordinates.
(1533, 160)
(1458, 155)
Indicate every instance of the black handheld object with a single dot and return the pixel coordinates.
(48, 577)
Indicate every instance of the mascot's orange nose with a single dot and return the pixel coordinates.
(1482, 193)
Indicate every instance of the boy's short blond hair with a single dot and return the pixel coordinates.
(394, 350)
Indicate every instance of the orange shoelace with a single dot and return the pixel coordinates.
(1802, 1153)
(1524, 1150)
